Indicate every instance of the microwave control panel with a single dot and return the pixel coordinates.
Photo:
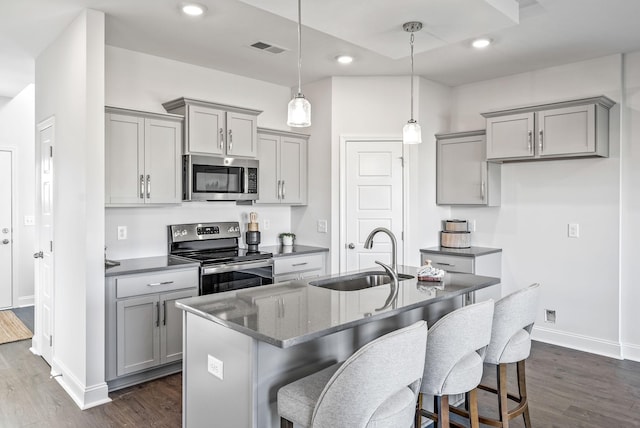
(252, 176)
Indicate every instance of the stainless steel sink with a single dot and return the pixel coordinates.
(358, 281)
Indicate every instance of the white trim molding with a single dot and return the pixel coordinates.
(85, 397)
(631, 351)
(578, 342)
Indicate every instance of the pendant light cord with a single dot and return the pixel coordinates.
(411, 76)
(300, 48)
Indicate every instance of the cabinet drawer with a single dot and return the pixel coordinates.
(298, 263)
(449, 263)
(156, 282)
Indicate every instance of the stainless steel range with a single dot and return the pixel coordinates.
(224, 266)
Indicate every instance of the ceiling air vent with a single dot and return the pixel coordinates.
(267, 47)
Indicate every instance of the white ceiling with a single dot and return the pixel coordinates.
(546, 33)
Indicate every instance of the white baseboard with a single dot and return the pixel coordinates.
(26, 301)
(579, 342)
(631, 352)
(84, 397)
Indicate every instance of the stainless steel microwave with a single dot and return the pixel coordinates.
(212, 178)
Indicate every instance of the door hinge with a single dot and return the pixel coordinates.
(50, 340)
(50, 151)
(51, 246)
(402, 235)
(402, 161)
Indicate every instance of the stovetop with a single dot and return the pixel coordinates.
(224, 256)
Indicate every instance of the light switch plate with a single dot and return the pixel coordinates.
(215, 367)
(322, 226)
(573, 230)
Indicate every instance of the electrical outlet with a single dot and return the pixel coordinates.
(322, 226)
(122, 233)
(472, 225)
(573, 230)
(215, 367)
(266, 224)
(550, 316)
(29, 220)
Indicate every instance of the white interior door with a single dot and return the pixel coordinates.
(6, 230)
(44, 267)
(373, 198)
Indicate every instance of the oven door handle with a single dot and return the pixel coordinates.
(230, 267)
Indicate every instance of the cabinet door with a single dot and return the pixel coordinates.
(566, 131)
(162, 160)
(242, 137)
(137, 337)
(206, 131)
(461, 171)
(510, 136)
(293, 314)
(268, 177)
(269, 309)
(124, 159)
(293, 170)
(171, 325)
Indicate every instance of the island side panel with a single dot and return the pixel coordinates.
(208, 400)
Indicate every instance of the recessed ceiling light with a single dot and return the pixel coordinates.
(481, 43)
(344, 59)
(192, 9)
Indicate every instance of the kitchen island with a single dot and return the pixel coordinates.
(240, 347)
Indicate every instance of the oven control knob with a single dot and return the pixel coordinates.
(184, 232)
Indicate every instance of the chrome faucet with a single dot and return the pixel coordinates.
(368, 244)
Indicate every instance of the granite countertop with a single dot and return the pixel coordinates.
(294, 250)
(294, 312)
(147, 264)
(466, 252)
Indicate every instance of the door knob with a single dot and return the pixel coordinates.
(351, 246)
(5, 241)
(38, 255)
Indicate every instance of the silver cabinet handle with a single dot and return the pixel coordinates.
(279, 191)
(351, 246)
(153, 284)
(540, 141)
(5, 241)
(157, 314)
(283, 190)
(148, 186)
(221, 138)
(530, 141)
(164, 312)
(483, 189)
(299, 264)
(444, 264)
(141, 186)
(230, 141)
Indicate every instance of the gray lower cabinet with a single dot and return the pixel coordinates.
(463, 175)
(144, 328)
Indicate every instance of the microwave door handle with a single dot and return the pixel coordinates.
(221, 138)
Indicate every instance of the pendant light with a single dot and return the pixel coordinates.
(299, 109)
(411, 133)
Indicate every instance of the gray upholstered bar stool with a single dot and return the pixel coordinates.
(453, 362)
(513, 320)
(376, 387)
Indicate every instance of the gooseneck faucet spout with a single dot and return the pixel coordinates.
(368, 244)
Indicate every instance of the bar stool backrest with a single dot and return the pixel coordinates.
(370, 376)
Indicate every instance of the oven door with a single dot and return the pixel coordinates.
(235, 276)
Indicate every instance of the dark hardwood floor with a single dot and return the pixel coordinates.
(567, 388)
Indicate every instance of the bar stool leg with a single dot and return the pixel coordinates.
(418, 422)
(285, 423)
(472, 397)
(443, 411)
(522, 391)
(503, 402)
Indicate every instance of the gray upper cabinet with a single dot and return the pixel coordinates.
(463, 176)
(577, 128)
(217, 129)
(142, 158)
(283, 167)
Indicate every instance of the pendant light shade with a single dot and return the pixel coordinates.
(411, 133)
(299, 109)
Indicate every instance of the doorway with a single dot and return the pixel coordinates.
(372, 195)
(6, 229)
